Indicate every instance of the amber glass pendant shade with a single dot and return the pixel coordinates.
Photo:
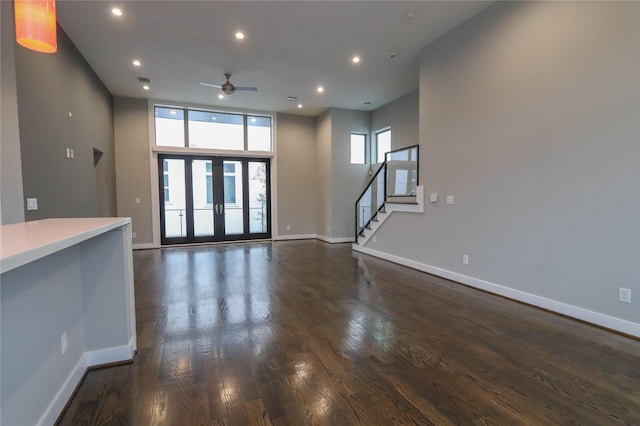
(36, 25)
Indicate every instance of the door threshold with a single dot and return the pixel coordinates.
(215, 243)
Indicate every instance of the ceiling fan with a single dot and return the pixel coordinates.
(228, 88)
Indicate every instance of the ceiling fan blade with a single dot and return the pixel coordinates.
(211, 85)
(247, 89)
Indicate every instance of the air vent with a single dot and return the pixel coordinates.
(291, 98)
(144, 80)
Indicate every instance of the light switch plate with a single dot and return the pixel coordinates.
(433, 197)
(450, 200)
(32, 204)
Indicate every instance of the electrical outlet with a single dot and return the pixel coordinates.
(375, 240)
(63, 343)
(465, 259)
(134, 235)
(624, 295)
(450, 200)
(137, 200)
(288, 227)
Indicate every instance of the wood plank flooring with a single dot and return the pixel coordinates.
(303, 332)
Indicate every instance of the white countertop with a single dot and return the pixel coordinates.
(22, 243)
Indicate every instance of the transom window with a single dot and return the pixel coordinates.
(194, 128)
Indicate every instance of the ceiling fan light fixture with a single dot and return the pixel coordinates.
(228, 89)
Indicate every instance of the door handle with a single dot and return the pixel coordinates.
(215, 208)
(221, 208)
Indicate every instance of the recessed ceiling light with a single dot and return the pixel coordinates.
(409, 15)
(116, 11)
(146, 87)
(320, 89)
(240, 35)
(220, 96)
(355, 59)
(136, 63)
(299, 105)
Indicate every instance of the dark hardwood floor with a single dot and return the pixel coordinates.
(303, 332)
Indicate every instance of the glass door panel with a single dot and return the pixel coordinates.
(203, 200)
(233, 197)
(207, 198)
(257, 197)
(173, 198)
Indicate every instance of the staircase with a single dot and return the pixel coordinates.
(392, 188)
(415, 206)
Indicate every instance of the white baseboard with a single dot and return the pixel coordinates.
(109, 355)
(334, 240)
(603, 320)
(88, 359)
(59, 401)
(294, 237)
(144, 246)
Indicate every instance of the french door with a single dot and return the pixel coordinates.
(204, 199)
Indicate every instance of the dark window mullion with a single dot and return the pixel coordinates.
(186, 128)
(245, 125)
(217, 173)
(188, 180)
(245, 193)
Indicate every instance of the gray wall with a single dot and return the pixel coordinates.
(49, 87)
(11, 195)
(297, 176)
(347, 180)
(529, 115)
(132, 153)
(402, 116)
(323, 167)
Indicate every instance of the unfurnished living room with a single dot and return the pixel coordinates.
(319, 212)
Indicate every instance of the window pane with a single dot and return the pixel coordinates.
(202, 198)
(169, 126)
(383, 143)
(230, 189)
(259, 133)
(233, 205)
(357, 149)
(209, 189)
(216, 130)
(257, 197)
(175, 224)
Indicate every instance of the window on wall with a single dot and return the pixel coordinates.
(358, 148)
(212, 130)
(383, 144)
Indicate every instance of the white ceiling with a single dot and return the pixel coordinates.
(290, 48)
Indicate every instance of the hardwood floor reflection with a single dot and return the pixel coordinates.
(305, 332)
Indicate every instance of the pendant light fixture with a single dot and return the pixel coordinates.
(36, 25)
